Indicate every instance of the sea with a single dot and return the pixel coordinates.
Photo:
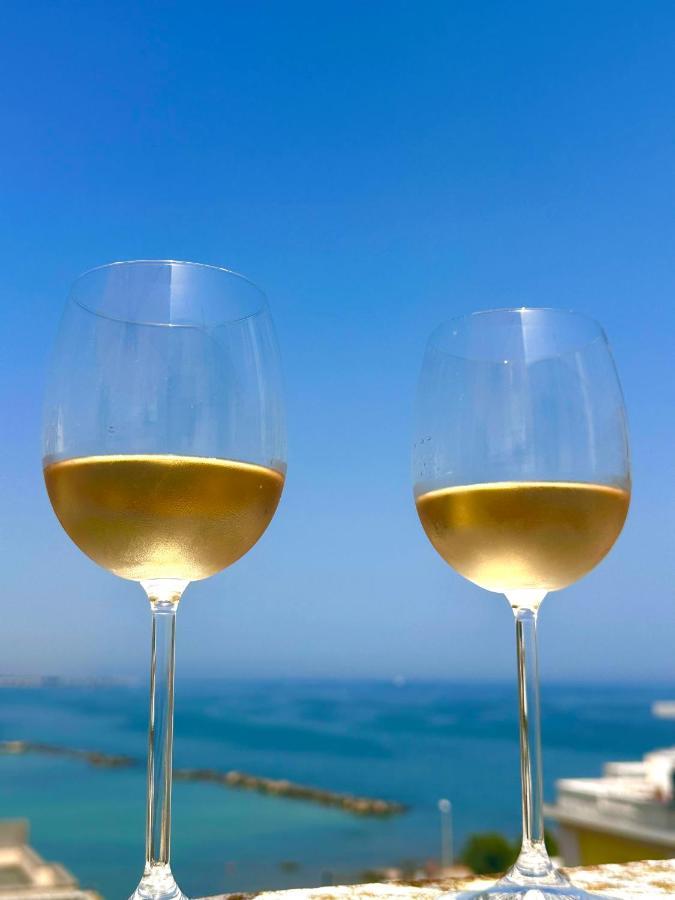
(409, 742)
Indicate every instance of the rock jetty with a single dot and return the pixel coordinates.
(362, 806)
(93, 757)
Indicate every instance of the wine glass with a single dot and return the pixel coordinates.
(521, 477)
(164, 455)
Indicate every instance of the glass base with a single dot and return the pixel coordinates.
(533, 877)
(501, 891)
(508, 889)
(158, 884)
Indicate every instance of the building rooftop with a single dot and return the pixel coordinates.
(24, 875)
(627, 813)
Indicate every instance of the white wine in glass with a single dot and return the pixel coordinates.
(164, 456)
(154, 516)
(521, 477)
(526, 535)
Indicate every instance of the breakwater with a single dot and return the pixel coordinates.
(93, 757)
(361, 806)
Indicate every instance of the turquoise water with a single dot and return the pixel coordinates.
(414, 743)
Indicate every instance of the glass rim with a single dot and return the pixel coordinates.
(264, 305)
(566, 311)
(571, 314)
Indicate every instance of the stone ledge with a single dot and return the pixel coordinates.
(625, 882)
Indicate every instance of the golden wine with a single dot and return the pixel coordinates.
(156, 516)
(508, 536)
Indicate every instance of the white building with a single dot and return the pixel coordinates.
(627, 814)
(24, 875)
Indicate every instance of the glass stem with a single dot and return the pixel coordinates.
(533, 861)
(158, 882)
(530, 735)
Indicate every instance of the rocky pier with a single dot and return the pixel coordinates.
(360, 806)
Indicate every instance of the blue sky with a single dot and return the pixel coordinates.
(376, 167)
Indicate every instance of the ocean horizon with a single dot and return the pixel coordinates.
(407, 741)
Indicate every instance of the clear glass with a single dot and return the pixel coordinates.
(164, 455)
(521, 475)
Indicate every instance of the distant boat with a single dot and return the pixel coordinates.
(664, 709)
